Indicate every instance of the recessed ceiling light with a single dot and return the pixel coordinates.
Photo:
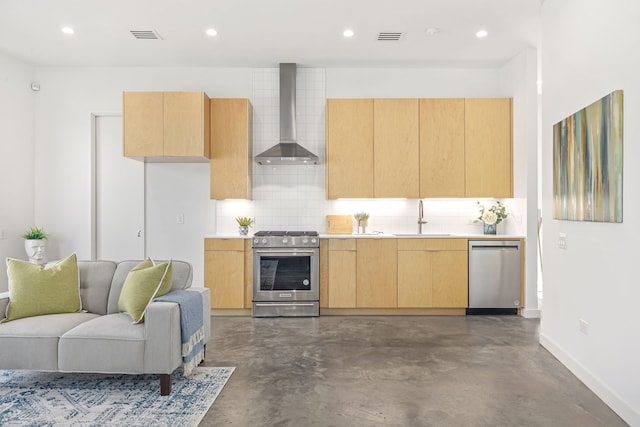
(432, 31)
(211, 32)
(67, 30)
(348, 33)
(482, 33)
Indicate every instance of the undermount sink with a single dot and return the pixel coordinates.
(422, 235)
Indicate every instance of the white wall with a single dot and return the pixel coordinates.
(63, 149)
(589, 48)
(63, 158)
(16, 159)
(519, 76)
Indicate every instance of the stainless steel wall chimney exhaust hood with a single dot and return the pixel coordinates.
(287, 151)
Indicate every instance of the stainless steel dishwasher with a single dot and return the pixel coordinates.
(494, 276)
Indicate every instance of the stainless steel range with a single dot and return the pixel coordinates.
(286, 273)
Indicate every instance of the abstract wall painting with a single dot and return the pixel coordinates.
(587, 163)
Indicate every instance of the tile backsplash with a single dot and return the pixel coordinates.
(293, 197)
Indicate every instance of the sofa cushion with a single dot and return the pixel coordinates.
(95, 281)
(182, 277)
(35, 291)
(144, 282)
(32, 342)
(107, 344)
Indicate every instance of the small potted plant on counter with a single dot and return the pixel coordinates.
(363, 221)
(35, 245)
(244, 222)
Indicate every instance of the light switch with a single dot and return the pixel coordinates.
(180, 218)
(3, 233)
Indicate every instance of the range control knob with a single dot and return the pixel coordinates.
(313, 240)
(256, 240)
(264, 241)
(284, 240)
(305, 240)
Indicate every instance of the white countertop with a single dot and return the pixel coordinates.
(388, 236)
(420, 236)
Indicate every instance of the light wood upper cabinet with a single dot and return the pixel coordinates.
(231, 148)
(142, 119)
(376, 273)
(432, 273)
(396, 148)
(186, 124)
(442, 147)
(341, 273)
(488, 148)
(349, 148)
(161, 126)
(225, 273)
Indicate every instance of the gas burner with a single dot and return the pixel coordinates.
(286, 239)
(286, 233)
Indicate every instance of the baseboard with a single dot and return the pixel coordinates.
(608, 396)
(530, 313)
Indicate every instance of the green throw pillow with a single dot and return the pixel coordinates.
(144, 282)
(34, 290)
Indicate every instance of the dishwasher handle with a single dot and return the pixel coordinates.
(494, 248)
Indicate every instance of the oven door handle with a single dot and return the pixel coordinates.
(293, 252)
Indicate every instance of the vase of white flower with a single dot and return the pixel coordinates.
(492, 217)
(490, 228)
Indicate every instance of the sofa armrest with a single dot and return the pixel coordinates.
(4, 302)
(162, 348)
(206, 311)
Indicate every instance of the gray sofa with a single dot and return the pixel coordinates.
(102, 340)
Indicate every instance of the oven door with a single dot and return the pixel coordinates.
(285, 274)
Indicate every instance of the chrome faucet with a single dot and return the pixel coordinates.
(420, 217)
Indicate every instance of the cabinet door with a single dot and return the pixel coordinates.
(342, 279)
(396, 148)
(186, 124)
(450, 279)
(414, 279)
(442, 148)
(224, 276)
(231, 149)
(142, 124)
(488, 167)
(349, 148)
(377, 273)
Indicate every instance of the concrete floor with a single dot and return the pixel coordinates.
(394, 371)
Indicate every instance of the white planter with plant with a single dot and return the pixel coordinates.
(35, 245)
(363, 221)
(244, 222)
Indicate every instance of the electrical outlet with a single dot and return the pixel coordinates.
(180, 218)
(562, 240)
(584, 326)
(3, 233)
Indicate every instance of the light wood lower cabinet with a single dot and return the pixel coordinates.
(227, 272)
(377, 273)
(342, 273)
(432, 273)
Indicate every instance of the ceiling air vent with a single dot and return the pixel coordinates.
(146, 34)
(394, 37)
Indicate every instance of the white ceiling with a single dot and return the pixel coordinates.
(263, 33)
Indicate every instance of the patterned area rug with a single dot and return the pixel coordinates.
(56, 399)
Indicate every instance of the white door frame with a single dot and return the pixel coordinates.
(94, 184)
